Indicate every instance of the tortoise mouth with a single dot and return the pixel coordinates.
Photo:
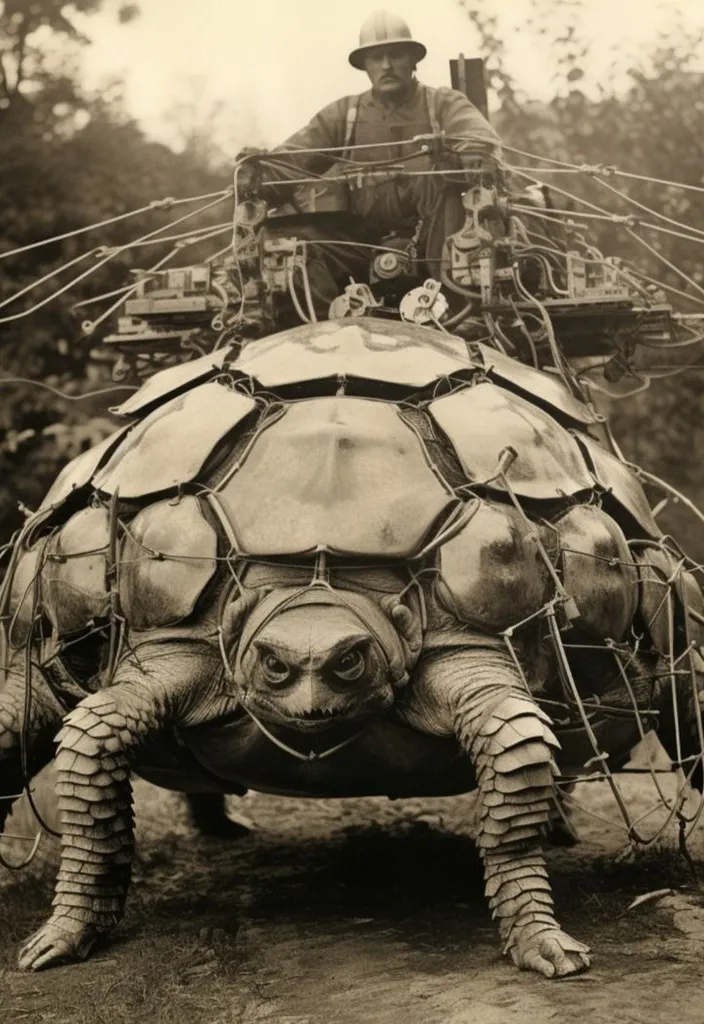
(317, 719)
(311, 723)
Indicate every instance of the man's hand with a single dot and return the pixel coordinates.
(249, 169)
(251, 151)
(472, 151)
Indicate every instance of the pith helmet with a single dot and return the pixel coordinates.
(384, 29)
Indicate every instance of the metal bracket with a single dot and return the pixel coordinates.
(423, 305)
(356, 300)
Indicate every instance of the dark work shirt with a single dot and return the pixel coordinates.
(390, 124)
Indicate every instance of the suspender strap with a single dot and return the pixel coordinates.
(432, 99)
(350, 120)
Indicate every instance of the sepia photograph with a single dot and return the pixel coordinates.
(351, 516)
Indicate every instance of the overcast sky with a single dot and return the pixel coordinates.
(275, 62)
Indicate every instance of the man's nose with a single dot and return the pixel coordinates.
(386, 61)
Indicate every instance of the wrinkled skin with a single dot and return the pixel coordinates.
(305, 672)
(308, 669)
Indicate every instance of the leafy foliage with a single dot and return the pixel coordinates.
(69, 160)
(652, 128)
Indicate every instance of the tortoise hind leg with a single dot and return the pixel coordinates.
(671, 605)
(45, 717)
(208, 812)
(679, 726)
(560, 828)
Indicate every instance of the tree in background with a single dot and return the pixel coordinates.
(35, 87)
(72, 159)
(211, 131)
(650, 124)
(68, 160)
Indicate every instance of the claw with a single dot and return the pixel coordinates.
(551, 953)
(55, 942)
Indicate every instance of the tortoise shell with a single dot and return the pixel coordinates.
(365, 440)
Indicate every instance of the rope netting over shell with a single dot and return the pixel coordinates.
(676, 671)
(677, 680)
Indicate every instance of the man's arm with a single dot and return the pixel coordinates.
(464, 126)
(324, 131)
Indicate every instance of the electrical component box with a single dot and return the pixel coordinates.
(178, 290)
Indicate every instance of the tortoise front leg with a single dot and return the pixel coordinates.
(95, 806)
(511, 746)
(478, 694)
(95, 798)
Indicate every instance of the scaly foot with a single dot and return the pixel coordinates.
(58, 940)
(551, 952)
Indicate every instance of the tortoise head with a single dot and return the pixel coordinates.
(313, 659)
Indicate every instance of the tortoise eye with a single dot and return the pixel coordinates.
(275, 670)
(350, 665)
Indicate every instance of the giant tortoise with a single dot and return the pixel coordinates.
(359, 557)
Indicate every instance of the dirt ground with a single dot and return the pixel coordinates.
(355, 911)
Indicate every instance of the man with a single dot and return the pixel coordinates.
(384, 121)
(391, 113)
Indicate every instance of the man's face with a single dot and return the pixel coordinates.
(390, 68)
